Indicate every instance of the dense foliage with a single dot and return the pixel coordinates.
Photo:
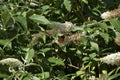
(46, 59)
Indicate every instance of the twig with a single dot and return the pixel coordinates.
(70, 65)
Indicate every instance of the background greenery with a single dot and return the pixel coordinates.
(47, 60)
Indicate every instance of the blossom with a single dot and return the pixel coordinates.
(73, 38)
(113, 59)
(105, 15)
(62, 27)
(36, 36)
(12, 62)
(56, 29)
(111, 14)
(93, 78)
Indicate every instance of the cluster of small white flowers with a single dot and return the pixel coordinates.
(93, 78)
(105, 15)
(113, 59)
(115, 13)
(75, 38)
(63, 27)
(12, 62)
(68, 25)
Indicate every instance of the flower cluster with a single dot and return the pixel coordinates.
(74, 38)
(93, 78)
(36, 36)
(12, 62)
(111, 14)
(62, 27)
(113, 59)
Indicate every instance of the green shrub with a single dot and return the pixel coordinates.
(31, 32)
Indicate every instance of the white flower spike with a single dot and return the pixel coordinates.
(111, 14)
(62, 27)
(12, 62)
(113, 59)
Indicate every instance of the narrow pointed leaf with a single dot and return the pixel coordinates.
(39, 19)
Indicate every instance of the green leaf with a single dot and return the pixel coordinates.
(114, 76)
(44, 38)
(117, 34)
(84, 41)
(67, 4)
(56, 61)
(46, 75)
(22, 21)
(103, 26)
(35, 78)
(104, 72)
(78, 52)
(6, 43)
(94, 46)
(86, 59)
(39, 19)
(85, 1)
(92, 55)
(45, 7)
(105, 37)
(45, 49)
(115, 23)
(9, 42)
(26, 78)
(29, 55)
(3, 75)
(78, 73)
(5, 17)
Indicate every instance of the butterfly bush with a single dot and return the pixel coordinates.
(56, 28)
(105, 15)
(111, 14)
(113, 59)
(12, 62)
